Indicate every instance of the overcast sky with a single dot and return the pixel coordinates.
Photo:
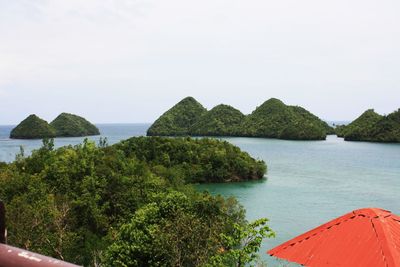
(129, 61)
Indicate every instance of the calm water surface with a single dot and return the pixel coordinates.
(308, 182)
(114, 133)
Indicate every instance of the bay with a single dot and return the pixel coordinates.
(307, 184)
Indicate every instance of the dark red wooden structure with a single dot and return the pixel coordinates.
(16, 257)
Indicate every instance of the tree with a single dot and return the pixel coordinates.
(241, 248)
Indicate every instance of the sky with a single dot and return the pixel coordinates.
(123, 61)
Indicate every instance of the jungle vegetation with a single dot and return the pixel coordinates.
(372, 127)
(273, 119)
(132, 204)
(65, 125)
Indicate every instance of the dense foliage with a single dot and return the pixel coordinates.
(196, 160)
(178, 120)
(387, 129)
(273, 119)
(222, 120)
(340, 130)
(372, 127)
(33, 127)
(70, 125)
(128, 204)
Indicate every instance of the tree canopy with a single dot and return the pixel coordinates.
(128, 204)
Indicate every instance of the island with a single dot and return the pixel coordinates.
(178, 120)
(70, 125)
(33, 127)
(65, 125)
(273, 119)
(372, 127)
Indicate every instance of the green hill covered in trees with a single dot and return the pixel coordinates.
(222, 120)
(178, 120)
(130, 204)
(70, 125)
(273, 119)
(33, 127)
(65, 125)
(372, 127)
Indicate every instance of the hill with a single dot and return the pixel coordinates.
(33, 127)
(222, 120)
(70, 125)
(178, 120)
(361, 128)
(274, 119)
(388, 128)
(372, 127)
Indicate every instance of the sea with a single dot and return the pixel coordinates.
(307, 184)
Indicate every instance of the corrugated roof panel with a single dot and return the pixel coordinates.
(366, 237)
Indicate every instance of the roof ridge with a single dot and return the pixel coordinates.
(377, 227)
(384, 232)
(380, 244)
(323, 227)
(371, 213)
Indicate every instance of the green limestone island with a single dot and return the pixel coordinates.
(65, 125)
(273, 119)
(372, 127)
(33, 127)
(70, 125)
(178, 120)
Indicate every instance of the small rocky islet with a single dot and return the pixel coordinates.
(273, 119)
(65, 125)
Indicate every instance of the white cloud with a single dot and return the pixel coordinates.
(130, 54)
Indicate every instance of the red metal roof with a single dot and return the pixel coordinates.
(366, 237)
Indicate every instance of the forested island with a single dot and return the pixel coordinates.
(372, 127)
(65, 125)
(70, 125)
(33, 127)
(273, 119)
(132, 203)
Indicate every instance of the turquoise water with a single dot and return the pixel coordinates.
(308, 182)
(114, 133)
(311, 182)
